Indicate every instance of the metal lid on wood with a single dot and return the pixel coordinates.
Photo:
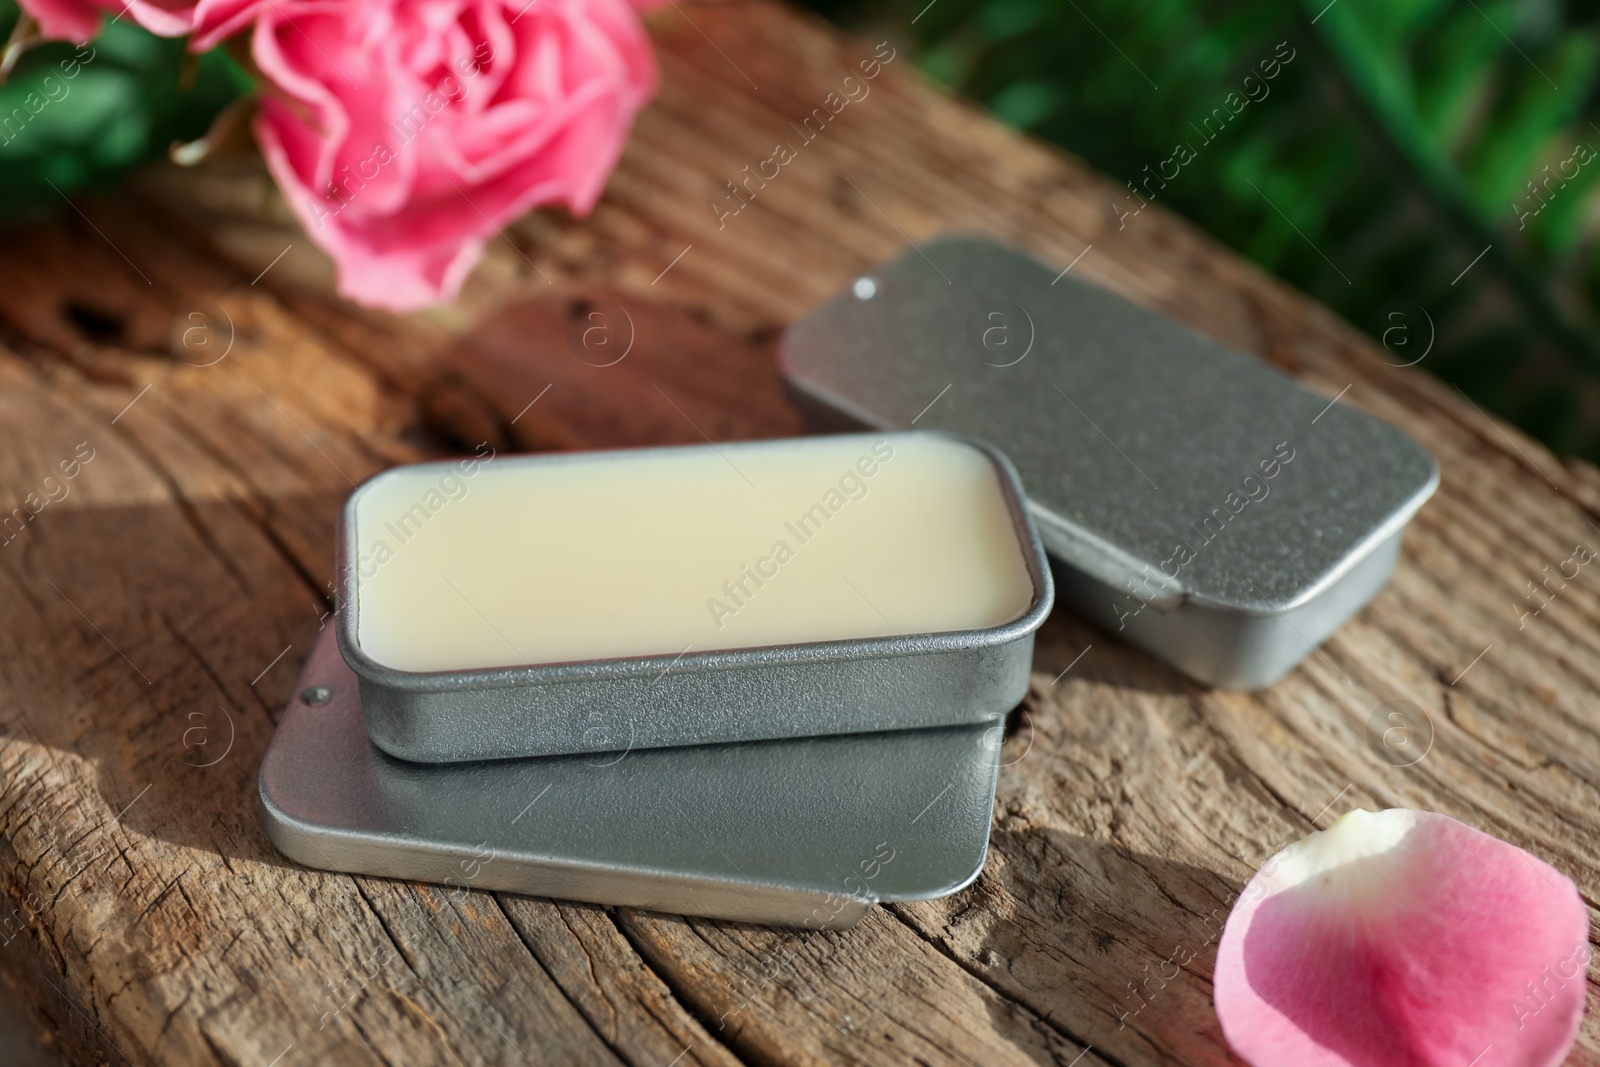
(809, 832)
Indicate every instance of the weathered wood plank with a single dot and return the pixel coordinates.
(168, 599)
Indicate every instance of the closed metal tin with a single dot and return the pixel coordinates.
(1199, 503)
(809, 832)
(747, 694)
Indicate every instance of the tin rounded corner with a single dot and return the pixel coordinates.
(386, 738)
(1430, 484)
(294, 837)
(366, 485)
(1029, 540)
(347, 634)
(347, 600)
(364, 667)
(783, 358)
(1011, 698)
(950, 888)
(1029, 536)
(346, 595)
(403, 734)
(852, 912)
(1385, 534)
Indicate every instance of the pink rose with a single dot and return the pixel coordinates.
(208, 21)
(405, 134)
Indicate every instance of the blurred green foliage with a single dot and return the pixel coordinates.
(80, 118)
(1401, 140)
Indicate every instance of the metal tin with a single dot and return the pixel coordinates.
(808, 832)
(747, 694)
(1199, 503)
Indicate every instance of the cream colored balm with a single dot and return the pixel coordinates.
(512, 561)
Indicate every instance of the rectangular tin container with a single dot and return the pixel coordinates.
(870, 684)
(808, 832)
(1198, 503)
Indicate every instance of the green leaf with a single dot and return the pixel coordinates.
(82, 118)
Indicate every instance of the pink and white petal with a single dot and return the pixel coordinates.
(1403, 939)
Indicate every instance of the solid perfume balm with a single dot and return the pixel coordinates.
(497, 562)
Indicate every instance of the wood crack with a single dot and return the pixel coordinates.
(576, 1005)
(939, 946)
(683, 995)
(588, 960)
(159, 897)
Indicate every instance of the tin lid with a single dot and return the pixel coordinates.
(1152, 456)
(806, 832)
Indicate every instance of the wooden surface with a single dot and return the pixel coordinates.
(153, 620)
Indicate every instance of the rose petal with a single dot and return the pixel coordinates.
(79, 20)
(405, 135)
(1403, 939)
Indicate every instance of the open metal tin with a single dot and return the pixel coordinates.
(809, 832)
(1200, 504)
(866, 684)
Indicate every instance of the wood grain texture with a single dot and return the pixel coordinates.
(152, 620)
